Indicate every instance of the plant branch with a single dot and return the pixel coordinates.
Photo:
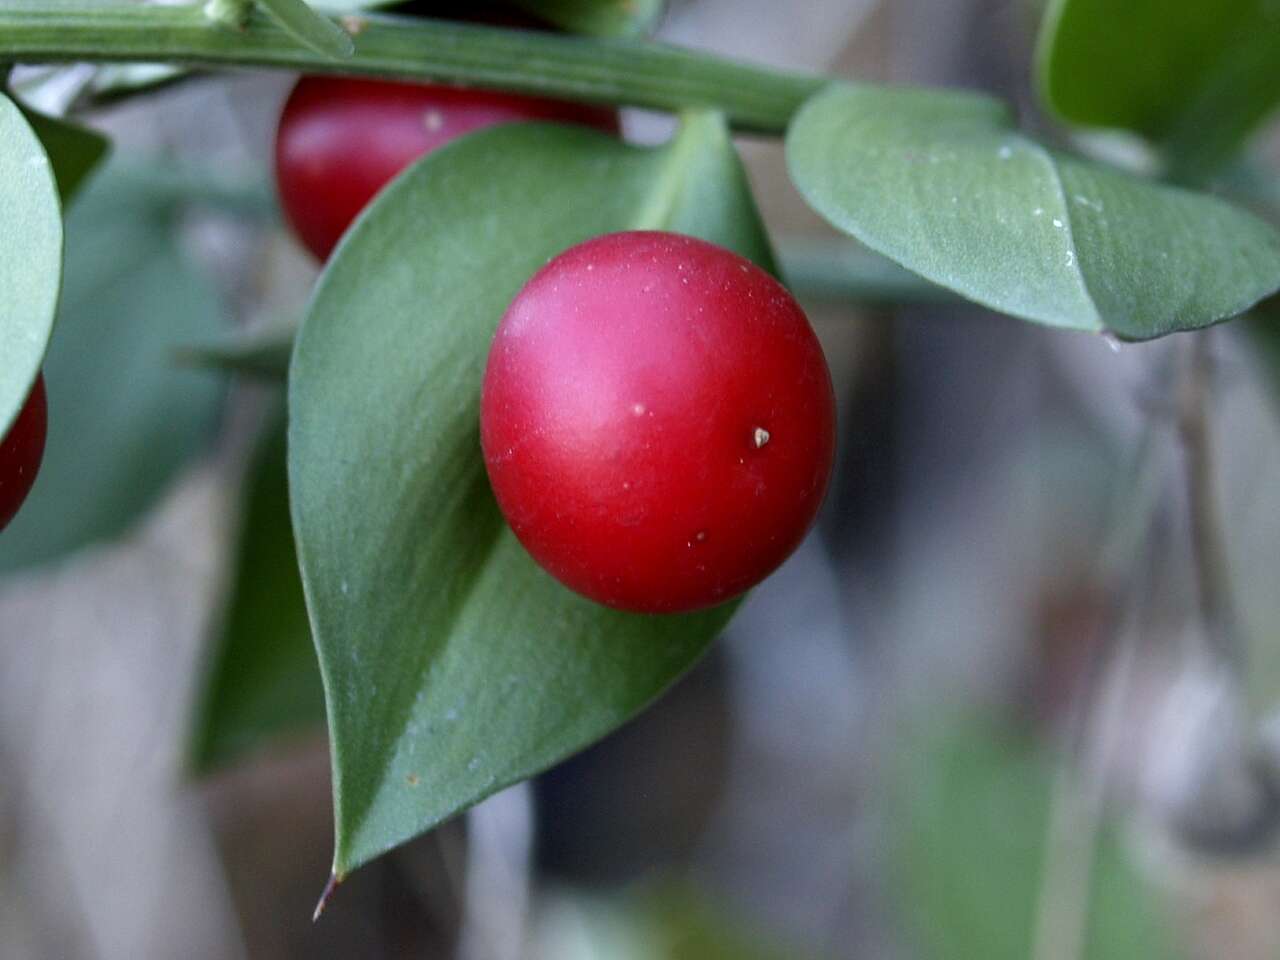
(623, 72)
(1096, 721)
(1208, 550)
(1077, 804)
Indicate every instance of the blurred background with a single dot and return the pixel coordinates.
(974, 716)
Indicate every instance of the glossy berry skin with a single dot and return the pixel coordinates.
(21, 451)
(657, 421)
(341, 139)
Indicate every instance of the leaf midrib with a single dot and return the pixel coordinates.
(1068, 227)
(656, 213)
(444, 625)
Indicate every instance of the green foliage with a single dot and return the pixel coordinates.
(309, 28)
(682, 923)
(260, 353)
(1265, 329)
(543, 63)
(30, 258)
(601, 18)
(1195, 77)
(452, 664)
(344, 6)
(119, 81)
(122, 420)
(73, 150)
(261, 680)
(971, 815)
(942, 183)
(666, 918)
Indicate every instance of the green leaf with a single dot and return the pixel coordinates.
(112, 82)
(660, 918)
(1194, 76)
(679, 920)
(970, 815)
(30, 258)
(73, 150)
(943, 184)
(453, 665)
(599, 18)
(122, 420)
(261, 353)
(262, 681)
(346, 6)
(310, 28)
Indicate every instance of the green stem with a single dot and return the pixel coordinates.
(843, 271)
(624, 72)
(1208, 545)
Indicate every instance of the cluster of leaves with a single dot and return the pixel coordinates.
(451, 664)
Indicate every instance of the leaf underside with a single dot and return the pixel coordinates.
(943, 184)
(601, 18)
(122, 420)
(30, 258)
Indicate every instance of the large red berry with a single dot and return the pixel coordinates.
(657, 420)
(20, 453)
(342, 139)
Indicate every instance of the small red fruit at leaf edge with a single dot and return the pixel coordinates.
(21, 451)
(342, 139)
(657, 421)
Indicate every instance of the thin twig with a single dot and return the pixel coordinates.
(1078, 794)
(753, 99)
(1077, 803)
(1208, 548)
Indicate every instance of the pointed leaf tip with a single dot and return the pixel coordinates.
(325, 894)
(454, 666)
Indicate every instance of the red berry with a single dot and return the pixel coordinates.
(658, 421)
(342, 139)
(20, 453)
